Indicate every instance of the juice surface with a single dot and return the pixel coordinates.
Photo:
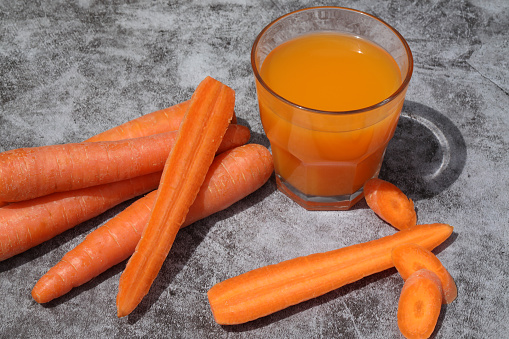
(331, 72)
(330, 154)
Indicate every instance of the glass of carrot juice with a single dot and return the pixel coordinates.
(330, 82)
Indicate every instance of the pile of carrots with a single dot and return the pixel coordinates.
(427, 286)
(191, 157)
(185, 163)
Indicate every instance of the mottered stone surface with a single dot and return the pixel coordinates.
(71, 69)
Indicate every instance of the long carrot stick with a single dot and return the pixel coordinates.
(161, 121)
(268, 289)
(232, 176)
(26, 224)
(27, 173)
(200, 133)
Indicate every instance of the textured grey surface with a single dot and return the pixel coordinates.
(71, 69)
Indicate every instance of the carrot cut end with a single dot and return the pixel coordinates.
(390, 203)
(419, 304)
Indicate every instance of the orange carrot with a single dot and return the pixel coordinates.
(268, 289)
(408, 258)
(26, 224)
(164, 120)
(232, 176)
(419, 304)
(199, 136)
(389, 203)
(3, 203)
(27, 173)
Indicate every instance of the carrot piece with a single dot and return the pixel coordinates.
(200, 133)
(232, 176)
(161, 121)
(26, 224)
(27, 173)
(390, 204)
(419, 304)
(268, 289)
(408, 258)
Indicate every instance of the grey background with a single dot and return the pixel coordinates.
(71, 69)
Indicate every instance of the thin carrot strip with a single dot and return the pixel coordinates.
(232, 176)
(26, 224)
(27, 173)
(419, 304)
(200, 133)
(390, 203)
(409, 258)
(268, 289)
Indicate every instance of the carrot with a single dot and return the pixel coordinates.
(268, 289)
(26, 224)
(64, 210)
(390, 204)
(164, 120)
(409, 258)
(419, 304)
(161, 121)
(200, 133)
(27, 173)
(232, 176)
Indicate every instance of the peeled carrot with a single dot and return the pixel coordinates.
(161, 121)
(164, 120)
(268, 289)
(232, 176)
(409, 258)
(27, 173)
(419, 304)
(390, 203)
(26, 224)
(200, 134)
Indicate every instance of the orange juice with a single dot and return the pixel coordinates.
(330, 153)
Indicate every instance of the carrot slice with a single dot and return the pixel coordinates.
(268, 289)
(409, 258)
(390, 203)
(232, 176)
(419, 304)
(200, 133)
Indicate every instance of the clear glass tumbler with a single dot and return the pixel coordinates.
(323, 158)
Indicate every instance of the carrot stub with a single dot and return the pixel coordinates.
(201, 131)
(390, 203)
(268, 289)
(232, 176)
(409, 258)
(419, 304)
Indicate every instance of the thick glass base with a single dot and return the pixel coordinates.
(319, 203)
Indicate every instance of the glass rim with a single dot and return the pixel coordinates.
(394, 95)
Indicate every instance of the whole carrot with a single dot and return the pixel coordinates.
(200, 134)
(161, 121)
(232, 176)
(268, 289)
(26, 224)
(27, 173)
(52, 214)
